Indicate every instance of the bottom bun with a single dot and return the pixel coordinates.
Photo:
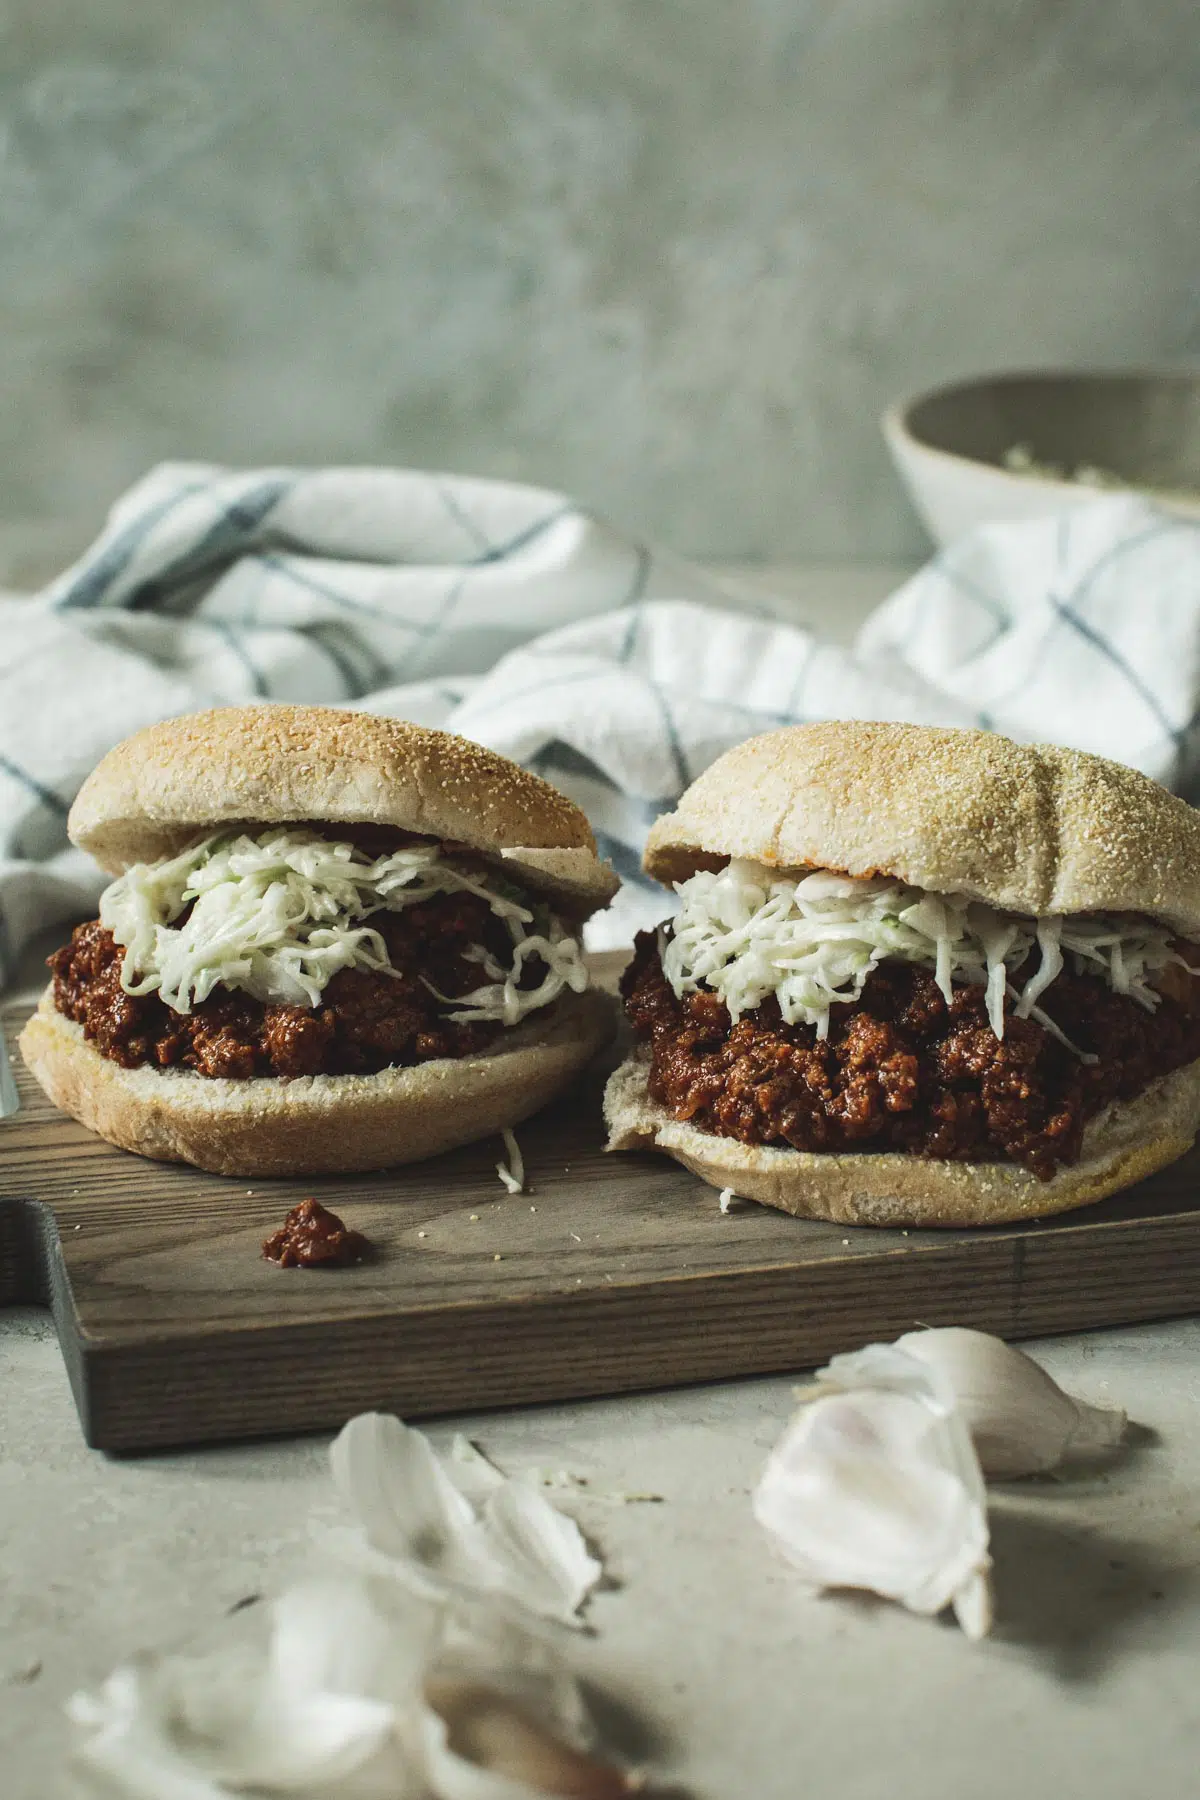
(1120, 1146)
(316, 1124)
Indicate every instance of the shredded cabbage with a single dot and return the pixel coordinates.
(812, 941)
(279, 914)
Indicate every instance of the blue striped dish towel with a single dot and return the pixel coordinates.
(517, 618)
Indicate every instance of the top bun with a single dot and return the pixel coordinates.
(253, 765)
(1030, 828)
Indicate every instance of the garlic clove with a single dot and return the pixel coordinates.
(480, 1744)
(875, 1484)
(501, 1717)
(1020, 1420)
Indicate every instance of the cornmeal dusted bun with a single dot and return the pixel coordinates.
(318, 1124)
(1120, 1146)
(279, 764)
(1030, 828)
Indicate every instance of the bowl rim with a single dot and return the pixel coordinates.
(894, 420)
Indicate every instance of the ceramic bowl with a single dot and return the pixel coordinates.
(1014, 446)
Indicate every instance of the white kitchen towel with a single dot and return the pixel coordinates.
(513, 616)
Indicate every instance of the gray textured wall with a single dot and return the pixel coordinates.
(671, 256)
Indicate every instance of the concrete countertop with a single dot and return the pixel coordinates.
(744, 1685)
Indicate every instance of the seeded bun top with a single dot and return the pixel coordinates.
(254, 765)
(1030, 828)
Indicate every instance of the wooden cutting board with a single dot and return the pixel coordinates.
(613, 1273)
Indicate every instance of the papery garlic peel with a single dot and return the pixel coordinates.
(875, 1484)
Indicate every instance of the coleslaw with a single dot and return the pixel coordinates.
(279, 913)
(746, 932)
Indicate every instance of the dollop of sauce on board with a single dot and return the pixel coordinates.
(312, 1237)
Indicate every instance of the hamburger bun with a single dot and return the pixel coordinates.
(276, 765)
(1030, 829)
(250, 766)
(316, 1124)
(1120, 1146)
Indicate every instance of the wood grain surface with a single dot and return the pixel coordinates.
(610, 1275)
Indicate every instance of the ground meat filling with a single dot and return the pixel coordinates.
(366, 1021)
(901, 1070)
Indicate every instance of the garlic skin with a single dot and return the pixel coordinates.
(418, 1525)
(1021, 1422)
(875, 1484)
(296, 1695)
(424, 1671)
(343, 1686)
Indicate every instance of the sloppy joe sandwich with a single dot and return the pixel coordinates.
(917, 976)
(333, 942)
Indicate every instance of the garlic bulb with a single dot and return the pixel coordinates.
(875, 1485)
(1020, 1420)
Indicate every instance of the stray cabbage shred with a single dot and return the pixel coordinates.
(812, 941)
(278, 915)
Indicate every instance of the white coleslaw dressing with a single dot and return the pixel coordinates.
(278, 914)
(746, 932)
